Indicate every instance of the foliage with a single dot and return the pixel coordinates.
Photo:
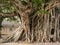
(24, 2)
(40, 5)
(14, 18)
(7, 6)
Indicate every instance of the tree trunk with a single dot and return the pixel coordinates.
(24, 12)
(25, 22)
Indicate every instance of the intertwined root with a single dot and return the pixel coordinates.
(14, 35)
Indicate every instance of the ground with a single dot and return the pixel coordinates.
(30, 44)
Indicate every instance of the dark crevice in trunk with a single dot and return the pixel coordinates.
(52, 31)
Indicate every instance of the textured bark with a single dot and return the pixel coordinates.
(24, 12)
(42, 24)
(14, 35)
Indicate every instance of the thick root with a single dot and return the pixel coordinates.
(14, 35)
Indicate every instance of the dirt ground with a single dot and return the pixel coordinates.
(30, 44)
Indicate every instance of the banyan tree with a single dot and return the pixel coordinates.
(40, 20)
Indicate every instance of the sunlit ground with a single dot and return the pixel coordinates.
(30, 44)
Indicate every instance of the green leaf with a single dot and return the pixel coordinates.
(24, 3)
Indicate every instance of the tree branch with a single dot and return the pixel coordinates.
(52, 5)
